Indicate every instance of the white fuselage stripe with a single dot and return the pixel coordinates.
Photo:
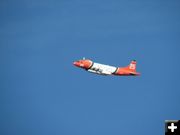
(103, 68)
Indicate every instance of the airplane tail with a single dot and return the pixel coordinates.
(132, 66)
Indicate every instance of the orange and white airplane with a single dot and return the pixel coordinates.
(102, 69)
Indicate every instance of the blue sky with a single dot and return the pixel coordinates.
(42, 93)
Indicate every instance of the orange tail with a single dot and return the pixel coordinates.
(132, 66)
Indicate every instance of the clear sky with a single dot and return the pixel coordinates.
(42, 93)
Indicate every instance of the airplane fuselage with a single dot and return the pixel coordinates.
(103, 69)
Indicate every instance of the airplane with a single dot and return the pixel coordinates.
(103, 69)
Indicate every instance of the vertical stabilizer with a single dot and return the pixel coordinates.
(132, 66)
